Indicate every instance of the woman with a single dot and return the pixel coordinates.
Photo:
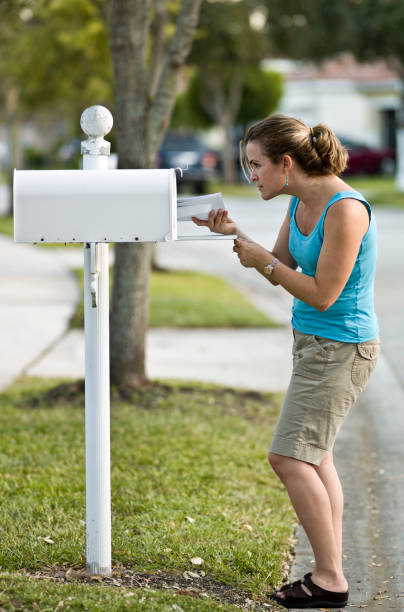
(329, 232)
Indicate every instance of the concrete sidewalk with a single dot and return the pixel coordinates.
(37, 298)
(218, 356)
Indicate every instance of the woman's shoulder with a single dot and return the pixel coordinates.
(348, 213)
(348, 204)
(294, 200)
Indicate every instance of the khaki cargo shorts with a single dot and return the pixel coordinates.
(328, 377)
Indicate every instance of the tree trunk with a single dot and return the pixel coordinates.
(140, 120)
(229, 162)
(222, 103)
(129, 316)
(131, 269)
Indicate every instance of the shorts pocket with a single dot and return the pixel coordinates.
(325, 344)
(309, 359)
(364, 362)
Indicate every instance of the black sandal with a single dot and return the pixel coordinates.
(296, 596)
(292, 584)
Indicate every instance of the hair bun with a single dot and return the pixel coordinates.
(332, 153)
(316, 149)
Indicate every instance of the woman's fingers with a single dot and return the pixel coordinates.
(199, 221)
(211, 220)
(220, 219)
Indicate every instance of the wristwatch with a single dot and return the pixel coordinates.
(269, 268)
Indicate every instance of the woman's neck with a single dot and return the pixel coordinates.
(317, 191)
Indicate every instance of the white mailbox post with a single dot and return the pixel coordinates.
(96, 206)
(96, 124)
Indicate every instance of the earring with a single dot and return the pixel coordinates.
(286, 181)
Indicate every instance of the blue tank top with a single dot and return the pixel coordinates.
(351, 318)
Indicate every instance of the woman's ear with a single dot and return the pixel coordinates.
(287, 162)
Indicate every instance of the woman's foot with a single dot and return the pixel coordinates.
(308, 594)
(291, 584)
(338, 585)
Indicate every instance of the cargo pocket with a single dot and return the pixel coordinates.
(364, 362)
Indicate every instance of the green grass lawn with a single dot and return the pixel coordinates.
(189, 479)
(6, 225)
(379, 190)
(180, 298)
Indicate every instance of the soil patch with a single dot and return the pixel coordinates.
(192, 584)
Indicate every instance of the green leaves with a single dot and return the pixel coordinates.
(55, 54)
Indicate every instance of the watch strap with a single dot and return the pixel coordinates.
(269, 268)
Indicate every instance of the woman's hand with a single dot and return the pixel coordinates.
(220, 223)
(251, 254)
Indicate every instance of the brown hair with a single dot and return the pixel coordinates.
(317, 150)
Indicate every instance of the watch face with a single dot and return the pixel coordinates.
(268, 270)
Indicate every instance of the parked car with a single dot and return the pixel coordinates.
(186, 150)
(369, 160)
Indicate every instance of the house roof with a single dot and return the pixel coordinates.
(345, 67)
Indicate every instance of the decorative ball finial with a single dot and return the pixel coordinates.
(96, 122)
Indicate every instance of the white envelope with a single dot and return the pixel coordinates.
(198, 206)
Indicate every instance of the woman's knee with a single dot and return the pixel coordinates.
(279, 463)
(326, 462)
(285, 466)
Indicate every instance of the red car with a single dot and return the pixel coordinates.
(368, 160)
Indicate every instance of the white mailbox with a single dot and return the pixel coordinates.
(95, 205)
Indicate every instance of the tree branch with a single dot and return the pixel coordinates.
(213, 98)
(180, 46)
(235, 90)
(157, 31)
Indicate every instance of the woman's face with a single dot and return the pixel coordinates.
(270, 177)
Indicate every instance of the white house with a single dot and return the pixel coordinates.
(358, 101)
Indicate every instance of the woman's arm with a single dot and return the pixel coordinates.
(344, 227)
(281, 248)
(222, 224)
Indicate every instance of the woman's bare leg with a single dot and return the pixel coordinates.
(329, 477)
(313, 507)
